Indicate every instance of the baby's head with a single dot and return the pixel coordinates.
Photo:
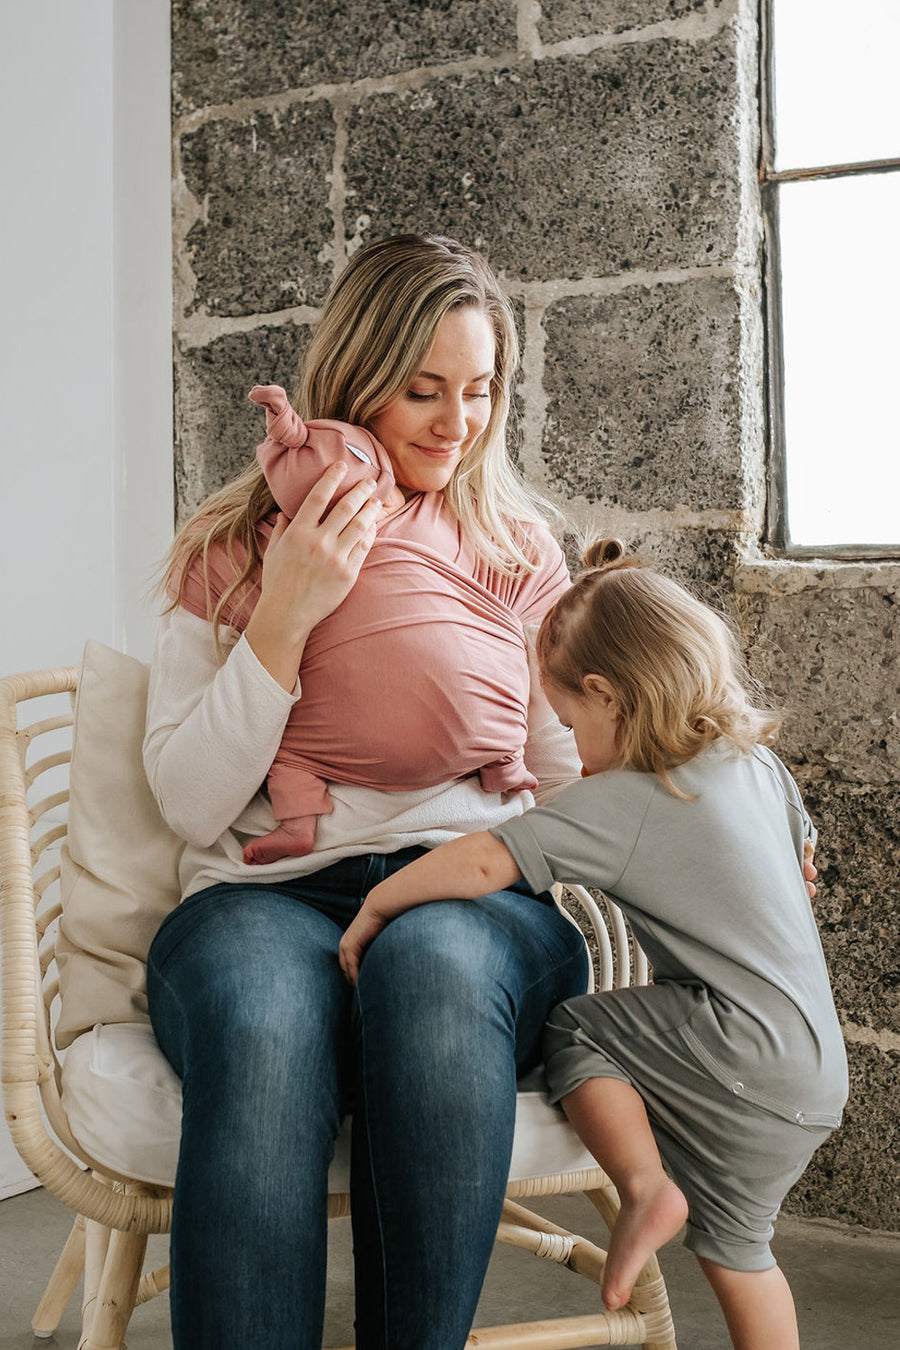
(364, 455)
(628, 650)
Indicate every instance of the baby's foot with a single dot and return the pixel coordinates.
(291, 839)
(649, 1217)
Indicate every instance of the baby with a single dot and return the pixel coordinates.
(295, 454)
(357, 721)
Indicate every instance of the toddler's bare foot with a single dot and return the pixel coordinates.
(291, 839)
(651, 1214)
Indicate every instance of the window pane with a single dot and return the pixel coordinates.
(841, 308)
(836, 90)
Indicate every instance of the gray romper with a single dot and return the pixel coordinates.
(736, 1047)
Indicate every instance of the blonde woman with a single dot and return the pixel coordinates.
(416, 342)
(705, 1095)
(412, 607)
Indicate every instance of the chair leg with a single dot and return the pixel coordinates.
(651, 1299)
(645, 1321)
(95, 1249)
(605, 1199)
(153, 1283)
(649, 1296)
(117, 1292)
(62, 1282)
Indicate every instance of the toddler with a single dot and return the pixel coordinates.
(358, 721)
(704, 1095)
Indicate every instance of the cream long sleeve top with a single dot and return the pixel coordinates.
(213, 728)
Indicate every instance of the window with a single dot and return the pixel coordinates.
(830, 177)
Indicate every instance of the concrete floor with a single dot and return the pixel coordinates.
(846, 1284)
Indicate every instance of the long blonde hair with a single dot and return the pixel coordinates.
(674, 664)
(376, 327)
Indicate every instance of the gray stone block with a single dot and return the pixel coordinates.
(263, 239)
(229, 49)
(642, 393)
(853, 1177)
(563, 19)
(857, 906)
(518, 401)
(592, 165)
(832, 654)
(701, 560)
(217, 427)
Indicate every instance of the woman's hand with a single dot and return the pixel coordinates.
(362, 931)
(309, 567)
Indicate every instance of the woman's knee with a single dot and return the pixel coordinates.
(431, 1002)
(434, 953)
(244, 992)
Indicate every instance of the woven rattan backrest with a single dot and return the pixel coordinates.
(616, 958)
(36, 717)
(36, 714)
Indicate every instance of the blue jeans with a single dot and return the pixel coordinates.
(273, 1047)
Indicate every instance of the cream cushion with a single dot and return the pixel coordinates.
(120, 879)
(123, 1102)
(120, 862)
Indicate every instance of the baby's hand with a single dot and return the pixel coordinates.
(362, 932)
(393, 501)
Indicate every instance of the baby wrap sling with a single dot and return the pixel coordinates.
(421, 674)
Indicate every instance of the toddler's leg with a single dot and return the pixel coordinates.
(611, 1119)
(758, 1307)
(292, 838)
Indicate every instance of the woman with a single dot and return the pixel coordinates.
(416, 342)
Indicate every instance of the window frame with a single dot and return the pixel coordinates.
(776, 532)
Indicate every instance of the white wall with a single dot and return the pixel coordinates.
(85, 342)
(85, 338)
(143, 486)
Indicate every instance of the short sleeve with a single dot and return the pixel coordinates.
(586, 834)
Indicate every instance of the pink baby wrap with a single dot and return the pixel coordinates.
(421, 674)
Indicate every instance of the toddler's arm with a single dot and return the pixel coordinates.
(463, 869)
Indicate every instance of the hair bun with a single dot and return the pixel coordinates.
(602, 552)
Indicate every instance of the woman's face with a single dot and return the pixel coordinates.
(428, 428)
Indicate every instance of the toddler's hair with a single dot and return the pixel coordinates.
(673, 662)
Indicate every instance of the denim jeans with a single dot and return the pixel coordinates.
(273, 1047)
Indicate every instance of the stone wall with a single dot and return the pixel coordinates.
(603, 154)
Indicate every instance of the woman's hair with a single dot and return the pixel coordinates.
(674, 664)
(376, 327)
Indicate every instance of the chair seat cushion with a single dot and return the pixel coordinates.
(123, 1102)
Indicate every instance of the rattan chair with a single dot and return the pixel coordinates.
(115, 1213)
